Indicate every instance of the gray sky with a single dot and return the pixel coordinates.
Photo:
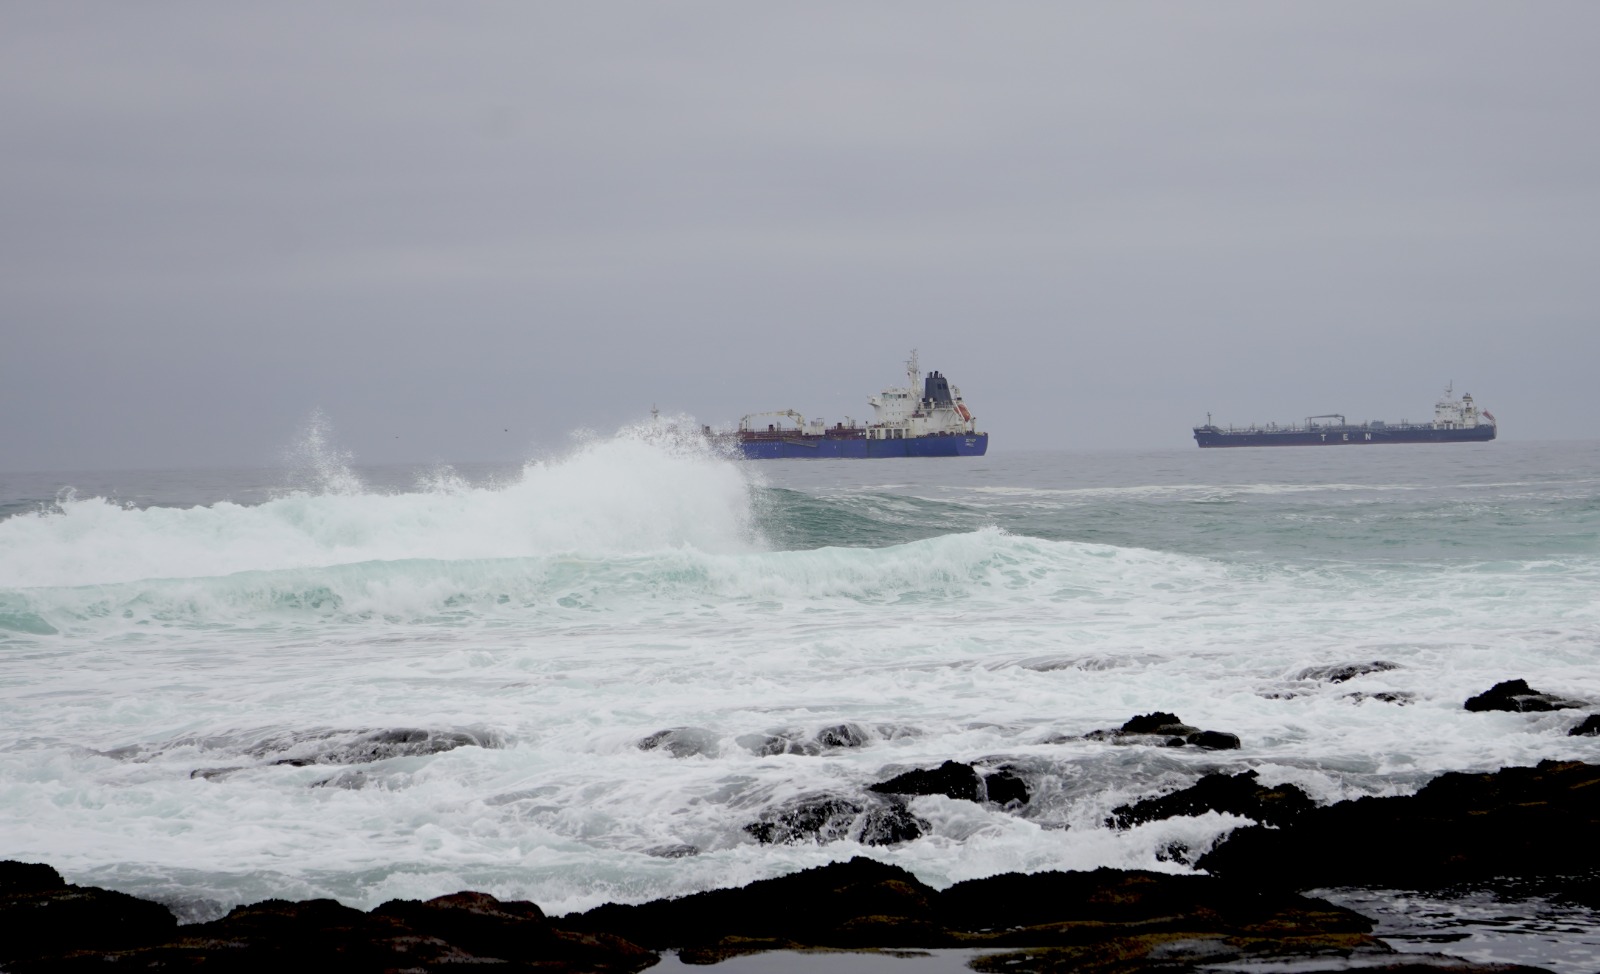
(441, 221)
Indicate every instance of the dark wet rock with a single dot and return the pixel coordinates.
(846, 904)
(1589, 728)
(514, 931)
(1399, 698)
(680, 850)
(843, 735)
(1216, 953)
(1005, 786)
(40, 914)
(1340, 672)
(28, 877)
(1214, 740)
(862, 903)
(1518, 697)
(951, 779)
(1239, 794)
(954, 779)
(402, 742)
(1584, 891)
(1159, 722)
(799, 742)
(824, 818)
(306, 748)
(682, 742)
(1538, 821)
(1115, 896)
(767, 745)
(434, 936)
(1102, 922)
(1165, 730)
(359, 746)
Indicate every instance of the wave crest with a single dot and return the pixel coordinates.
(632, 493)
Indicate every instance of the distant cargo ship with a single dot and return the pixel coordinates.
(1454, 421)
(926, 418)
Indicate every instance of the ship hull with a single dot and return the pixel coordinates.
(1342, 436)
(800, 447)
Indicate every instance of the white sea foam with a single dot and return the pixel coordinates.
(622, 495)
(572, 611)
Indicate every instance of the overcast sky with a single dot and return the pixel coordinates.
(463, 230)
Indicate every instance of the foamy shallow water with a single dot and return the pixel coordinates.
(188, 688)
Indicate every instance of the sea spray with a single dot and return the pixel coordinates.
(626, 494)
(993, 612)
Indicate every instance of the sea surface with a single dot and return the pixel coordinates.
(327, 680)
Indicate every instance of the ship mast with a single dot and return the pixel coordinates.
(913, 374)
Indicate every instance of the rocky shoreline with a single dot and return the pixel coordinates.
(1513, 826)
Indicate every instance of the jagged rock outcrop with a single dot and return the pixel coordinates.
(50, 926)
(1102, 922)
(1165, 730)
(1238, 794)
(42, 913)
(299, 749)
(1538, 821)
(824, 818)
(954, 779)
(1518, 697)
(1590, 727)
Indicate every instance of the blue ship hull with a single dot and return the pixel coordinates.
(800, 447)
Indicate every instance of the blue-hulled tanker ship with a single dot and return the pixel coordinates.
(1454, 421)
(925, 418)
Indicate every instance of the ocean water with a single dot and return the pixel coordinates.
(359, 683)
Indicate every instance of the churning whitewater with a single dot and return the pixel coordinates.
(587, 679)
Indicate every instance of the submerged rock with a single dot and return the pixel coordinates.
(825, 818)
(302, 749)
(680, 850)
(1238, 794)
(1399, 698)
(843, 735)
(364, 747)
(683, 742)
(1516, 696)
(1340, 672)
(798, 742)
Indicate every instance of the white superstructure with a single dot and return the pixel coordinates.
(922, 407)
(919, 408)
(1451, 413)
